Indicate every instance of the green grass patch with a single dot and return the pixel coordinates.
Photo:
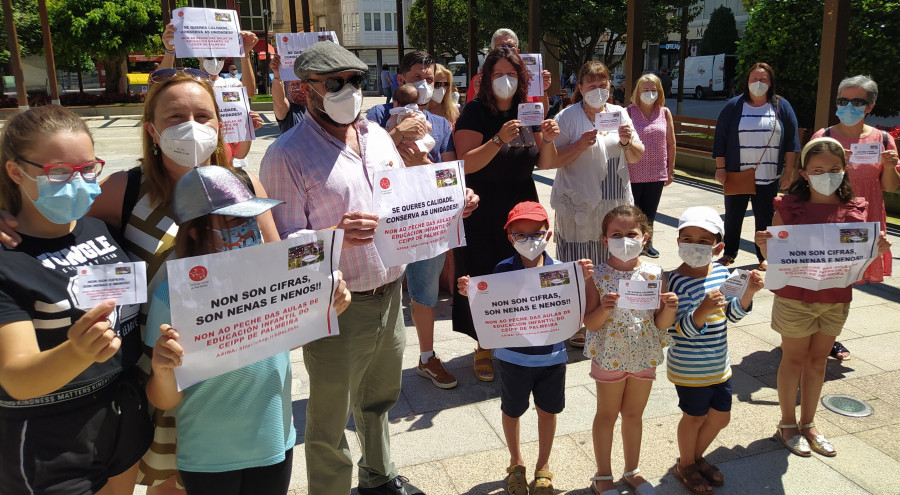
(261, 99)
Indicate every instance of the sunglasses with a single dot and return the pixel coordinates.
(335, 84)
(60, 172)
(161, 75)
(856, 102)
(442, 85)
(522, 237)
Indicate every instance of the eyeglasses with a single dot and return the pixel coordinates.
(441, 84)
(856, 102)
(60, 172)
(161, 75)
(509, 47)
(522, 237)
(335, 84)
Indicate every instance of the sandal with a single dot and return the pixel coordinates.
(644, 488)
(516, 483)
(725, 260)
(710, 472)
(484, 368)
(797, 444)
(691, 479)
(837, 350)
(578, 339)
(543, 483)
(596, 491)
(818, 443)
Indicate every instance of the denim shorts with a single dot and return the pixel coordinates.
(422, 280)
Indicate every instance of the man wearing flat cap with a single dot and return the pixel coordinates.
(323, 169)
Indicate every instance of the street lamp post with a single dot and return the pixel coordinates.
(265, 13)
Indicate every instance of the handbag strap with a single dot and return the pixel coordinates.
(770, 135)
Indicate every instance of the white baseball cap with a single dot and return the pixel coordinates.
(704, 217)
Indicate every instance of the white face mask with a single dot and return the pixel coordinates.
(343, 107)
(695, 255)
(213, 66)
(425, 91)
(189, 143)
(454, 97)
(505, 87)
(825, 184)
(531, 248)
(596, 98)
(625, 248)
(438, 95)
(649, 97)
(758, 88)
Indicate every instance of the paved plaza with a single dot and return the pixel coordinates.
(450, 442)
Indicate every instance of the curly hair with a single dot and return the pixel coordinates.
(486, 90)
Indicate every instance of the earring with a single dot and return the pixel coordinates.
(155, 150)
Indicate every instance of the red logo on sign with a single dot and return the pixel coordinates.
(181, 14)
(385, 183)
(83, 272)
(783, 234)
(197, 273)
(285, 39)
(482, 285)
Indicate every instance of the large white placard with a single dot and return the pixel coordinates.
(234, 308)
(420, 211)
(205, 33)
(535, 65)
(234, 113)
(290, 45)
(820, 256)
(530, 307)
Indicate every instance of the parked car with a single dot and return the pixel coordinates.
(705, 75)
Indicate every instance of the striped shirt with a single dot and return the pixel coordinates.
(759, 135)
(700, 355)
(320, 178)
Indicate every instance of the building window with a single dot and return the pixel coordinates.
(378, 21)
(367, 19)
(387, 21)
(209, 4)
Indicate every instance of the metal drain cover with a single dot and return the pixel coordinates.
(846, 405)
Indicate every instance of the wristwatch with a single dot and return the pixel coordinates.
(496, 140)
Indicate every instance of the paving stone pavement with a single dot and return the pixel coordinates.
(450, 442)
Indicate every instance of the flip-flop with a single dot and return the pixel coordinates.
(837, 349)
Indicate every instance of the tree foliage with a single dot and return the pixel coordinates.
(787, 35)
(450, 28)
(721, 34)
(28, 30)
(105, 31)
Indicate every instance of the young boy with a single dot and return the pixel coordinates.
(698, 364)
(540, 370)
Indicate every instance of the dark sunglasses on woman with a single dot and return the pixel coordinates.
(856, 102)
(161, 75)
(335, 84)
(441, 85)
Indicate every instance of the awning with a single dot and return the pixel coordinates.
(260, 48)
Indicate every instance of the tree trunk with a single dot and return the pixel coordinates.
(115, 76)
(80, 80)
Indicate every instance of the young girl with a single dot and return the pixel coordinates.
(235, 431)
(73, 418)
(810, 320)
(625, 345)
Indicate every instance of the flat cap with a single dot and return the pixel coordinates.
(326, 57)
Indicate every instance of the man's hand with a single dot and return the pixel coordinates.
(411, 154)
(358, 228)
(472, 200)
(341, 294)
(462, 285)
(412, 128)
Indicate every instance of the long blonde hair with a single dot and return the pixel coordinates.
(448, 108)
(651, 78)
(159, 184)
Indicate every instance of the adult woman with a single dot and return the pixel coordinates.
(441, 102)
(656, 169)
(72, 417)
(755, 130)
(856, 98)
(593, 176)
(499, 157)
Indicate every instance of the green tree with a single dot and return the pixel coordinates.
(105, 31)
(787, 35)
(721, 34)
(449, 26)
(28, 32)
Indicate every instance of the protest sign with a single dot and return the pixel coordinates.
(525, 308)
(206, 33)
(534, 64)
(639, 294)
(234, 113)
(290, 45)
(736, 284)
(608, 121)
(124, 282)
(531, 114)
(820, 256)
(865, 152)
(234, 308)
(420, 211)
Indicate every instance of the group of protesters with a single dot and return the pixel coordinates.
(88, 397)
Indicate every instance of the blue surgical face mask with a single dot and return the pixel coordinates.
(850, 115)
(63, 202)
(244, 235)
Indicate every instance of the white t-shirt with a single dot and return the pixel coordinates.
(759, 135)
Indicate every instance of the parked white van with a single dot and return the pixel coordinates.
(706, 75)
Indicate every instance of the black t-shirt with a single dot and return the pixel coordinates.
(35, 280)
(296, 113)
